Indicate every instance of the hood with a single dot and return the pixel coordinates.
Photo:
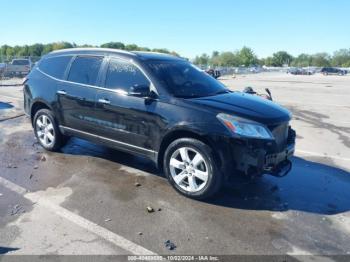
(247, 106)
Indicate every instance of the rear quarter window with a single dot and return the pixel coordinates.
(55, 66)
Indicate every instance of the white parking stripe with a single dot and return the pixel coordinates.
(322, 155)
(311, 103)
(78, 220)
(12, 186)
(12, 97)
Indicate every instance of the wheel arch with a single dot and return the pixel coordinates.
(36, 106)
(183, 133)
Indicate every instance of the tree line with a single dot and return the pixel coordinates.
(243, 57)
(247, 57)
(38, 50)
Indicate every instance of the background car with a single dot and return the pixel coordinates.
(300, 71)
(333, 71)
(18, 67)
(2, 68)
(214, 73)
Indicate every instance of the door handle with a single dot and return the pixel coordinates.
(104, 101)
(61, 92)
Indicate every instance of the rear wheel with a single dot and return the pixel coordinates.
(46, 130)
(191, 169)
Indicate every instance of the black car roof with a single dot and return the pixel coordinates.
(110, 52)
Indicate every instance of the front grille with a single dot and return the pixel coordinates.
(280, 133)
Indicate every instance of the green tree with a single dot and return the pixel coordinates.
(268, 61)
(203, 59)
(341, 58)
(228, 59)
(114, 45)
(36, 50)
(302, 60)
(132, 47)
(47, 49)
(174, 53)
(161, 50)
(24, 51)
(146, 49)
(247, 57)
(61, 45)
(281, 58)
(214, 59)
(321, 59)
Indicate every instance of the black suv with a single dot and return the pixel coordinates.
(333, 71)
(161, 107)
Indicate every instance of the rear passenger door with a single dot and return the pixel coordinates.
(128, 120)
(76, 95)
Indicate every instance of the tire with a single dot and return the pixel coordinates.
(47, 132)
(191, 169)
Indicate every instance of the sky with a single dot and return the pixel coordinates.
(189, 27)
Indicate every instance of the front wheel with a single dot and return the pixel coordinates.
(191, 169)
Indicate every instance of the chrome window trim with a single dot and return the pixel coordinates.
(98, 87)
(68, 82)
(108, 139)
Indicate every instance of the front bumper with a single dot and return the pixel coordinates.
(258, 157)
(279, 164)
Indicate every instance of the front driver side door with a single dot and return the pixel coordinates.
(127, 120)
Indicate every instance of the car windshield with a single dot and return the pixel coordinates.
(20, 62)
(182, 79)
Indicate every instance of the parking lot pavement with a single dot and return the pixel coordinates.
(11, 100)
(84, 199)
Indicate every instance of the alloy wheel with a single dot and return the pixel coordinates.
(189, 169)
(45, 131)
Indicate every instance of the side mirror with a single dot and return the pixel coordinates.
(269, 93)
(249, 90)
(139, 91)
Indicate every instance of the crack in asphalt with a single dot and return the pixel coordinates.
(11, 117)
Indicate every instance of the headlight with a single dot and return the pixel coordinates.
(244, 127)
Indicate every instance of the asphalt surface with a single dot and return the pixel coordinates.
(83, 200)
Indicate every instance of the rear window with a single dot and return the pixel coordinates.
(55, 66)
(84, 70)
(20, 62)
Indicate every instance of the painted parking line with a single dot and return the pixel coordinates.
(11, 97)
(322, 155)
(311, 103)
(92, 227)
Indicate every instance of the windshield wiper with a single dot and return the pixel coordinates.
(188, 97)
(225, 91)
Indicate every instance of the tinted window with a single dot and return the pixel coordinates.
(183, 79)
(55, 66)
(20, 62)
(84, 70)
(123, 75)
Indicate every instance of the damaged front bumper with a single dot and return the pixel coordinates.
(279, 164)
(255, 157)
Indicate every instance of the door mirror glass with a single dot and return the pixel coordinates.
(139, 91)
